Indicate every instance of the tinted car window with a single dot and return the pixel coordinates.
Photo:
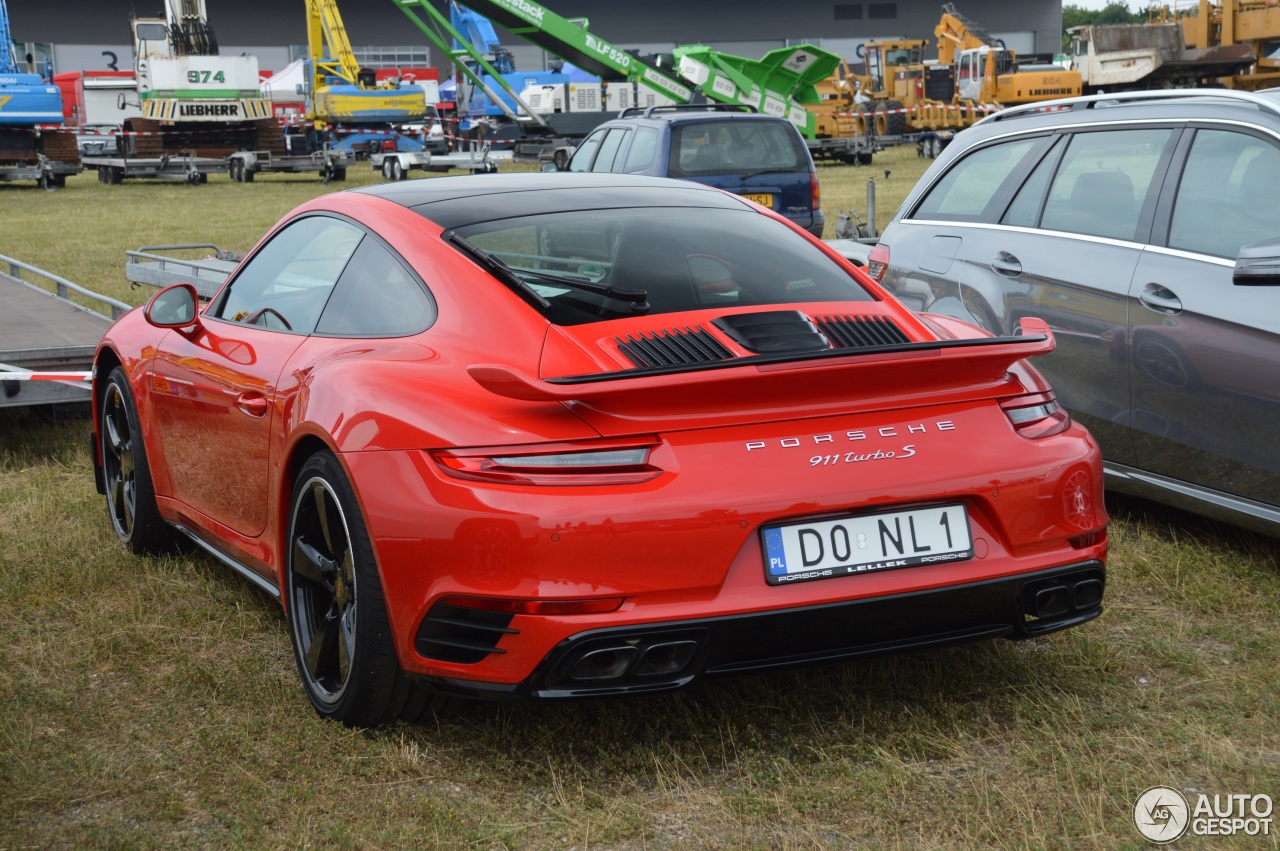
(609, 149)
(965, 191)
(582, 157)
(675, 258)
(1025, 209)
(1226, 197)
(376, 297)
(286, 284)
(1102, 182)
(642, 151)
(704, 148)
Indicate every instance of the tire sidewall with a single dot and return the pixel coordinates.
(351, 704)
(148, 532)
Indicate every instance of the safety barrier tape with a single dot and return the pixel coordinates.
(69, 377)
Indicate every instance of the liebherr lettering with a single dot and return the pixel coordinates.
(193, 110)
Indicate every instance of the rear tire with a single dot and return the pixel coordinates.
(131, 498)
(397, 170)
(336, 609)
(386, 169)
(895, 124)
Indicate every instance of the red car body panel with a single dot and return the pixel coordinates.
(226, 410)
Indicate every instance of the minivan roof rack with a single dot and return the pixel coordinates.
(648, 111)
(1152, 96)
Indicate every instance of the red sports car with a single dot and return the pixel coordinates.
(566, 435)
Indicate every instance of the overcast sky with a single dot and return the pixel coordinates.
(1093, 4)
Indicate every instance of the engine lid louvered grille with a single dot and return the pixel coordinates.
(672, 347)
(856, 332)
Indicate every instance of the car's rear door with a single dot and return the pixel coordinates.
(1065, 251)
(1205, 352)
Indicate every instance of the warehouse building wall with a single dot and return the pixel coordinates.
(81, 30)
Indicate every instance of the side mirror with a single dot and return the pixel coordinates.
(548, 167)
(1258, 265)
(173, 307)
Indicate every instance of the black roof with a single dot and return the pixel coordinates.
(454, 202)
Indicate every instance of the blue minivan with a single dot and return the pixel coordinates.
(760, 157)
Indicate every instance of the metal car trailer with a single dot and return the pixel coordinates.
(42, 331)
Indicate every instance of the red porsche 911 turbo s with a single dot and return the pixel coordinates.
(575, 435)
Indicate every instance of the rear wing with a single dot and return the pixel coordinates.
(966, 368)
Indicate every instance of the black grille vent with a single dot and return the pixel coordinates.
(673, 347)
(856, 332)
(774, 332)
(458, 634)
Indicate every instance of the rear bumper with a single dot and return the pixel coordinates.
(660, 657)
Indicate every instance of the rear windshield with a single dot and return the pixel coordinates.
(604, 264)
(707, 148)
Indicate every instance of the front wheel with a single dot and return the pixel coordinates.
(131, 499)
(397, 170)
(337, 613)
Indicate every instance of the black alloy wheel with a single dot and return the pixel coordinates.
(337, 614)
(131, 501)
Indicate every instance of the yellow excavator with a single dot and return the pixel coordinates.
(988, 72)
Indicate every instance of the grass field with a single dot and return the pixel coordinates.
(153, 703)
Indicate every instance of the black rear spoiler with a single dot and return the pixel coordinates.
(899, 369)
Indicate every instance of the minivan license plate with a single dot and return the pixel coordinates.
(798, 552)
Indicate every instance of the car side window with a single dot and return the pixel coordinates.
(1025, 209)
(1226, 197)
(643, 148)
(964, 193)
(285, 285)
(1103, 180)
(609, 149)
(376, 296)
(586, 152)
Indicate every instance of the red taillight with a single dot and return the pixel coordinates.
(1036, 415)
(878, 261)
(817, 194)
(599, 463)
(537, 607)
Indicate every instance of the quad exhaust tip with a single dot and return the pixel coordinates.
(617, 661)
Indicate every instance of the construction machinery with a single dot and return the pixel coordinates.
(1128, 57)
(1255, 23)
(480, 116)
(348, 109)
(775, 84)
(904, 97)
(988, 72)
(32, 147)
(197, 106)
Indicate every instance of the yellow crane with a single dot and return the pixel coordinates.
(340, 91)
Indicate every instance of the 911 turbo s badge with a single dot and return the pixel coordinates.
(836, 438)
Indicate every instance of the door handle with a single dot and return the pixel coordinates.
(1161, 299)
(253, 404)
(1006, 264)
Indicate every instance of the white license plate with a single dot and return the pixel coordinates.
(797, 552)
